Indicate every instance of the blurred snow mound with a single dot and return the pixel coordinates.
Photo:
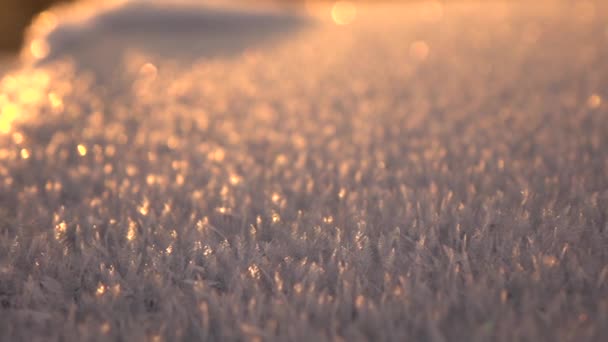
(98, 36)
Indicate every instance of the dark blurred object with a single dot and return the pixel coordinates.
(15, 16)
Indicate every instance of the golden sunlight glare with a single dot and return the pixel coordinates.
(8, 114)
(39, 48)
(343, 12)
(82, 150)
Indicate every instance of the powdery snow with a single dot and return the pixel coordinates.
(427, 172)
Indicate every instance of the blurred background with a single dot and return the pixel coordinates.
(15, 16)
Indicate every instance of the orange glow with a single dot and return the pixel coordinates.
(594, 101)
(132, 231)
(217, 155)
(8, 113)
(276, 217)
(101, 289)
(419, 50)
(47, 19)
(105, 328)
(60, 229)
(148, 70)
(25, 153)
(234, 179)
(431, 11)
(19, 92)
(144, 207)
(82, 150)
(276, 197)
(254, 271)
(318, 8)
(55, 100)
(18, 138)
(30, 96)
(39, 48)
(343, 12)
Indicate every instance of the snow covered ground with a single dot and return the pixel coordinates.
(419, 171)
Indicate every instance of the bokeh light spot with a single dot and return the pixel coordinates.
(594, 101)
(344, 12)
(55, 100)
(419, 50)
(25, 153)
(82, 150)
(148, 70)
(8, 114)
(39, 48)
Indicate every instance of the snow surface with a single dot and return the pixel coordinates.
(428, 172)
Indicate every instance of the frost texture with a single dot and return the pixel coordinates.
(400, 178)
